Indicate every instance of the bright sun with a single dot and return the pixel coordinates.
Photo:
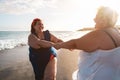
(94, 4)
(114, 4)
(87, 10)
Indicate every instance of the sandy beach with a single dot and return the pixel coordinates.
(15, 65)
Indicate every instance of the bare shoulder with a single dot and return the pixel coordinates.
(29, 36)
(94, 34)
(32, 36)
(33, 39)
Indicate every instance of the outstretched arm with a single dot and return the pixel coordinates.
(89, 42)
(55, 39)
(67, 45)
(36, 43)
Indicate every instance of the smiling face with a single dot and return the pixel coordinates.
(38, 26)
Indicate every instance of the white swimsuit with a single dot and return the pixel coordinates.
(99, 65)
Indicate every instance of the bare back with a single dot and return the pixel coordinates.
(110, 39)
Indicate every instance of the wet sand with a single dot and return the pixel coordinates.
(15, 65)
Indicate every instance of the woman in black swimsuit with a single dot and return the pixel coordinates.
(42, 59)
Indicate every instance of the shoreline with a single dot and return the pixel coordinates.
(14, 64)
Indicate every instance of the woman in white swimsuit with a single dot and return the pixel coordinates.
(100, 49)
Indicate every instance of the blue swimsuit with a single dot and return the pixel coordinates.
(40, 57)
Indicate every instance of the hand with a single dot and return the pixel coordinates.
(57, 45)
(60, 40)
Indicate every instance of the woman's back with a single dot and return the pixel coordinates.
(110, 39)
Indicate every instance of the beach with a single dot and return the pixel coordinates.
(14, 56)
(15, 65)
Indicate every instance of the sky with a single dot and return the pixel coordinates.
(56, 15)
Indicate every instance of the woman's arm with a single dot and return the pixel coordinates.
(36, 43)
(67, 45)
(55, 39)
(89, 42)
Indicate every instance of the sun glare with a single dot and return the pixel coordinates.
(114, 4)
(87, 10)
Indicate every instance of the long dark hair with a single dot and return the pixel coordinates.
(33, 24)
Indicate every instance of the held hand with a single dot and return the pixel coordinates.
(60, 41)
(57, 45)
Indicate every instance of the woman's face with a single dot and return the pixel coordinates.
(38, 26)
(97, 22)
(100, 22)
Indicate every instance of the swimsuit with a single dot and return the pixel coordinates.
(40, 57)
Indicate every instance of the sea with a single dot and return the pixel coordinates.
(12, 39)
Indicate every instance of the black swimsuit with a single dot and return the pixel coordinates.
(40, 57)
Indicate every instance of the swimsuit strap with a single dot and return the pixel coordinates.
(111, 38)
(47, 35)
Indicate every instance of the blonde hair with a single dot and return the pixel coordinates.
(108, 15)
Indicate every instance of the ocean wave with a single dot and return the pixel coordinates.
(20, 39)
(12, 43)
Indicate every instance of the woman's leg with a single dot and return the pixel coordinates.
(51, 70)
(38, 66)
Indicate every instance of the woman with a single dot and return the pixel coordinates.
(100, 48)
(43, 59)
